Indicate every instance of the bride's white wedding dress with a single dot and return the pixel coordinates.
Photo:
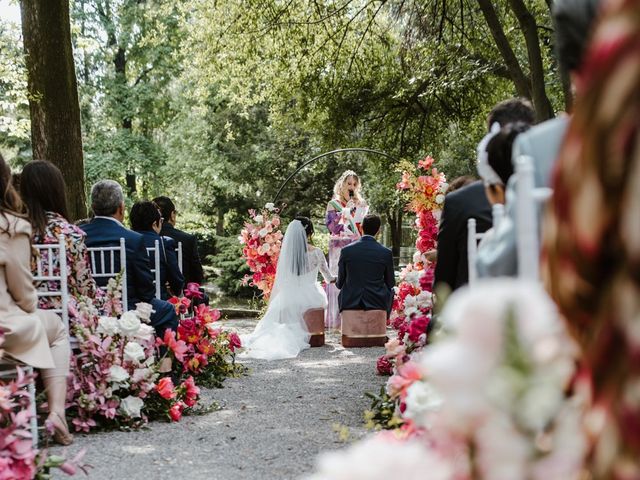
(282, 332)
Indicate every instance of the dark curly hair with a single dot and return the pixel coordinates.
(143, 215)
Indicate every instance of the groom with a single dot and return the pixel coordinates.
(365, 272)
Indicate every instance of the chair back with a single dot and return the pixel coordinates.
(154, 253)
(473, 237)
(179, 252)
(52, 258)
(103, 265)
(497, 211)
(528, 200)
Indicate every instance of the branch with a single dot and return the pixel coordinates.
(518, 77)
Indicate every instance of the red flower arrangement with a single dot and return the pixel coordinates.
(262, 240)
(424, 189)
(200, 348)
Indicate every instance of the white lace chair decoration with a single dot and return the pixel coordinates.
(528, 199)
(179, 253)
(103, 265)
(49, 257)
(154, 253)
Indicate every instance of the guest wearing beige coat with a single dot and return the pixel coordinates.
(34, 337)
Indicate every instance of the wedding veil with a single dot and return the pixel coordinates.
(293, 261)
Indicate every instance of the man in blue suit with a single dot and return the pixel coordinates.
(106, 229)
(365, 272)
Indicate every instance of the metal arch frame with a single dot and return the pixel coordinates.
(326, 154)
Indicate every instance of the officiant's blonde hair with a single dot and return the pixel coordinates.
(337, 188)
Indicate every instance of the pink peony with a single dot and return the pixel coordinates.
(175, 412)
(384, 366)
(165, 388)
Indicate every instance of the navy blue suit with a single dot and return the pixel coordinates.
(471, 201)
(102, 232)
(365, 276)
(169, 269)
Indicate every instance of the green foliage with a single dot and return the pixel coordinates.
(232, 267)
(382, 415)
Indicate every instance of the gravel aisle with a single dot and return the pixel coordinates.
(273, 423)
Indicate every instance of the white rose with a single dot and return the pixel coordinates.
(409, 301)
(145, 332)
(264, 232)
(270, 206)
(444, 186)
(133, 352)
(144, 311)
(258, 218)
(412, 277)
(424, 299)
(410, 311)
(108, 325)
(140, 374)
(117, 374)
(421, 399)
(440, 199)
(131, 406)
(129, 323)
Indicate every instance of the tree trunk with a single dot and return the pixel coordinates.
(220, 223)
(541, 102)
(53, 94)
(518, 77)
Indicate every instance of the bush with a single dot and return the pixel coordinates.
(230, 264)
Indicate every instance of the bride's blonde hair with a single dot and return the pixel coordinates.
(339, 185)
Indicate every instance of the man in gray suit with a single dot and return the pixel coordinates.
(573, 20)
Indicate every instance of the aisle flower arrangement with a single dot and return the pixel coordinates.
(114, 369)
(199, 347)
(423, 187)
(262, 240)
(18, 457)
(490, 399)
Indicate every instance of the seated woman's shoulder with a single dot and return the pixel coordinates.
(14, 224)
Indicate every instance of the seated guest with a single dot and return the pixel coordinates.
(191, 265)
(145, 219)
(43, 191)
(495, 169)
(468, 202)
(33, 337)
(106, 229)
(573, 21)
(365, 272)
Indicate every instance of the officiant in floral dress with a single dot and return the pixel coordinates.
(344, 216)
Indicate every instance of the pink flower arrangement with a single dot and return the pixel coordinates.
(172, 401)
(200, 348)
(490, 400)
(18, 458)
(262, 240)
(424, 189)
(114, 370)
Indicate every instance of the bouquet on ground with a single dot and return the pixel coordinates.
(199, 347)
(262, 240)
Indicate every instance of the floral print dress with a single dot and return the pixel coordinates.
(79, 280)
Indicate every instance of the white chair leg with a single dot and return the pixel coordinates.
(31, 388)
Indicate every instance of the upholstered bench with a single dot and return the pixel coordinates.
(314, 318)
(364, 328)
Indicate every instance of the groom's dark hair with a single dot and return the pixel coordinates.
(371, 225)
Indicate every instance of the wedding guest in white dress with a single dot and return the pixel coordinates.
(282, 332)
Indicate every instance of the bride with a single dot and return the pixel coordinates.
(282, 332)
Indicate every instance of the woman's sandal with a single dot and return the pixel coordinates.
(61, 433)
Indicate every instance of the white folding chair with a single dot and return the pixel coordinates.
(49, 257)
(497, 212)
(528, 199)
(473, 238)
(8, 371)
(102, 260)
(154, 252)
(179, 252)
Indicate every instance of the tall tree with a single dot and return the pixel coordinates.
(53, 93)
